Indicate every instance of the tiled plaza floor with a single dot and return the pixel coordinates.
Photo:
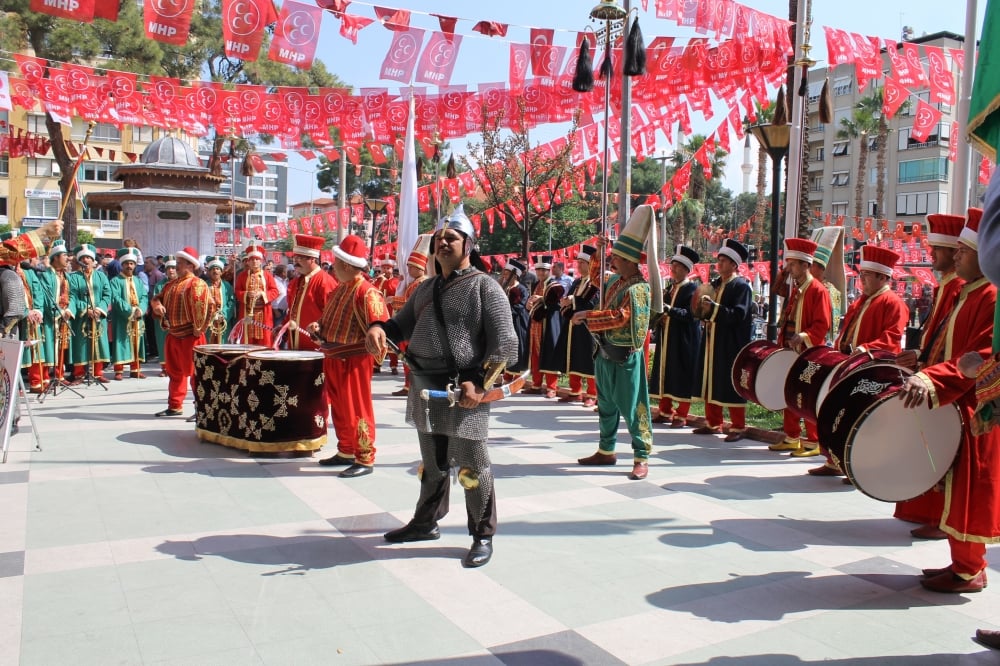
(127, 541)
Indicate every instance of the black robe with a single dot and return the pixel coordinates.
(518, 296)
(574, 353)
(728, 328)
(547, 312)
(678, 336)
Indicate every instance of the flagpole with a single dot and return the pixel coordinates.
(960, 185)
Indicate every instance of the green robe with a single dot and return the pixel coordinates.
(159, 332)
(95, 292)
(228, 310)
(37, 299)
(48, 284)
(123, 348)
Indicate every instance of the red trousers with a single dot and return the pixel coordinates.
(120, 367)
(36, 377)
(349, 390)
(713, 415)
(926, 509)
(967, 557)
(80, 369)
(179, 367)
(667, 408)
(576, 386)
(794, 431)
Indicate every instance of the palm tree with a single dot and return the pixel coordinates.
(688, 217)
(763, 200)
(860, 125)
(872, 104)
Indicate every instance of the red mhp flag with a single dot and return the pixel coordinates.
(925, 120)
(438, 59)
(517, 69)
(402, 55)
(911, 52)
(893, 96)
(942, 83)
(168, 21)
(985, 171)
(296, 34)
(243, 23)
(953, 145)
(77, 10)
(106, 9)
(351, 25)
(393, 19)
(838, 46)
(32, 68)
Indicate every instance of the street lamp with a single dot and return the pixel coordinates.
(374, 206)
(774, 139)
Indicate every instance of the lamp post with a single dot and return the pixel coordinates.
(774, 139)
(374, 206)
(664, 251)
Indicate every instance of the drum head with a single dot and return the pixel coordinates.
(770, 382)
(286, 355)
(228, 349)
(895, 454)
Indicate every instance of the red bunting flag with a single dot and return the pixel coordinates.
(491, 29)
(911, 52)
(393, 19)
(76, 10)
(893, 96)
(838, 46)
(296, 34)
(167, 21)
(925, 119)
(243, 23)
(351, 25)
(402, 55)
(438, 59)
(942, 83)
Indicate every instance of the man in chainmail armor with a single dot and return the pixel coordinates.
(460, 333)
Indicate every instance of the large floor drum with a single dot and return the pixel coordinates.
(759, 373)
(889, 452)
(808, 380)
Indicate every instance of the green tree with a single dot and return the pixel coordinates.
(688, 216)
(509, 169)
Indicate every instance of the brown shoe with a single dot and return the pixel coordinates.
(136, 375)
(569, 397)
(989, 638)
(590, 402)
(929, 532)
(598, 459)
(706, 430)
(119, 376)
(402, 391)
(931, 573)
(951, 583)
(678, 422)
(662, 418)
(825, 470)
(640, 469)
(735, 435)
(550, 393)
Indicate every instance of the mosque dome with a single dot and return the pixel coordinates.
(170, 151)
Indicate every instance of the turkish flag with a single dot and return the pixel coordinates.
(942, 83)
(378, 155)
(167, 21)
(82, 12)
(541, 43)
(925, 275)
(393, 19)
(491, 28)
(893, 96)
(402, 55)
(423, 199)
(243, 23)
(296, 34)
(437, 62)
(451, 186)
(925, 120)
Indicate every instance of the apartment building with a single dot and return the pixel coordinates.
(269, 189)
(918, 173)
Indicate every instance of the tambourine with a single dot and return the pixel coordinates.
(700, 309)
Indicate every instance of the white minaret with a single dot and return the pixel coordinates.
(746, 167)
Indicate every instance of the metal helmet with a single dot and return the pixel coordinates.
(459, 221)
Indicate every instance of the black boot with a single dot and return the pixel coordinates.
(413, 532)
(479, 554)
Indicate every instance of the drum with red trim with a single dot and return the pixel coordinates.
(857, 361)
(759, 373)
(809, 380)
(890, 453)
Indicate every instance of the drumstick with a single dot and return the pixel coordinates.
(927, 448)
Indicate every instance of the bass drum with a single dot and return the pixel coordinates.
(890, 453)
(809, 380)
(759, 373)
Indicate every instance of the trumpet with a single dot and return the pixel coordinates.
(217, 326)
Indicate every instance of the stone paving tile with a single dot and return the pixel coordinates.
(131, 542)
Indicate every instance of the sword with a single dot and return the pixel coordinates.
(453, 395)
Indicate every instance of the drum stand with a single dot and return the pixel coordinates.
(88, 378)
(57, 384)
(23, 402)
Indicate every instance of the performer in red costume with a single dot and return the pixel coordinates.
(972, 494)
(352, 307)
(875, 321)
(943, 240)
(186, 308)
(308, 291)
(255, 290)
(416, 267)
(388, 283)
(805, 320)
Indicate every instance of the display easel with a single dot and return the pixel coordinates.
(16, 395)
(56, 383)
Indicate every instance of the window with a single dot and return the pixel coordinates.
(916, 171)
(840, 148)
(4, 165)
(142, 134)
(42, 167)
(921, 203)
(872, 143)
(940, 135)
(96, 172)
(99, 214)
(36, 124)
(103, 132)
(816, 126)
(873, 176)
(256, 181)
(841, 114)
(839, 208)
(872, 208)
(816, 184)
(47, 208)
(841, 179)
(842, 85)
(820, 154)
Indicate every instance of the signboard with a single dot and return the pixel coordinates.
(42, 194)
(10, 368)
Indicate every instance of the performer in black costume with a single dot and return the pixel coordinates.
(574, 353)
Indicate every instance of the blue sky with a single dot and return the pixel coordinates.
(484, 60)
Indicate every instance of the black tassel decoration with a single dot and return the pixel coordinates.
(635, 51)
(826, 103)
(450, 170)
(606, 67)
(583, 80)
(780, 109)
(803, 84)
(420, 169)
